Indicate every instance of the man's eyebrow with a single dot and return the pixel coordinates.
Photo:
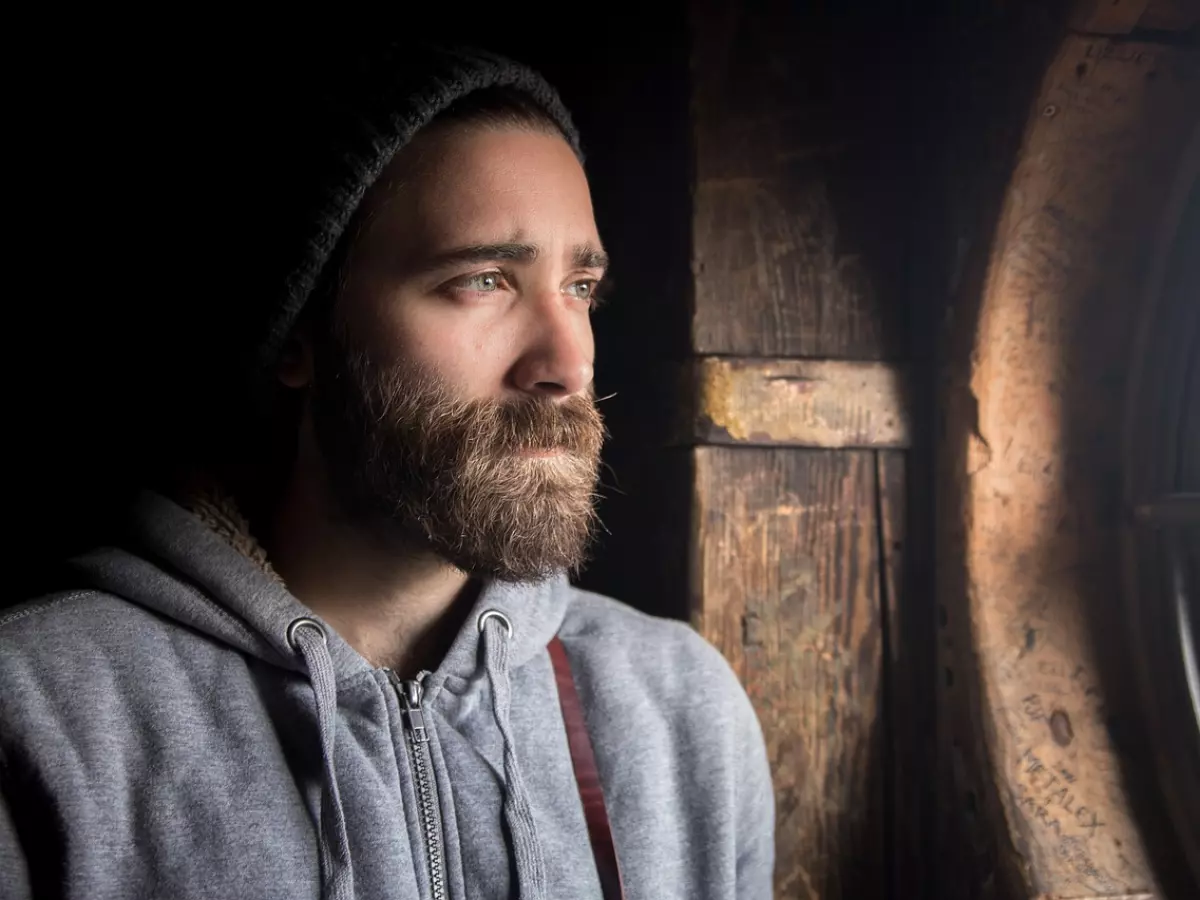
(587, 256)
(583, 256)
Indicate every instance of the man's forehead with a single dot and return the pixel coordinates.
(512, 189)
(456, 162)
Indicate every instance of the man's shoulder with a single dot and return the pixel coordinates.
(661, 680)
(71, 633)
(665, 655)
(62, 656)
(61, 614)
(593, 617)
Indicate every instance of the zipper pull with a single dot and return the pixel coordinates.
(411, 693)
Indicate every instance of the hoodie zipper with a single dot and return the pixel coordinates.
(411, 694)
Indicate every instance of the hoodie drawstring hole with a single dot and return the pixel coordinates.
(498, 616)
(304, 622)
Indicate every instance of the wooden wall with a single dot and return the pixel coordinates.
(1051, 738)
(799, 424)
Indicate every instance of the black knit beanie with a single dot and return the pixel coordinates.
(341, 137)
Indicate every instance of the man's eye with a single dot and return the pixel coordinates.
(484, 282)
(584, 290)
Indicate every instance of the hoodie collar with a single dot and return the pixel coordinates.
(202, 568)
(535, 611)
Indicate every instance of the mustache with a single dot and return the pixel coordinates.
(421, 405)
(533, 424)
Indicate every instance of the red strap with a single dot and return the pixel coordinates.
(586, 777)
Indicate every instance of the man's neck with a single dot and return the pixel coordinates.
(400, 608)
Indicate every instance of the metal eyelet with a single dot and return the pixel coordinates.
(496, 614)
(304, 622)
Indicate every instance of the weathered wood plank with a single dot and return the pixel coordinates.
(785, 582)
(795, 402)
(1107, 16)
(796, 266)
(792, 254)
(1170, 15)
(1036, 448)
(767, 248)
(1113, 17)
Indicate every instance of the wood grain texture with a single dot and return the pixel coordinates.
(801, 403)
(1037, 434)
(785, 582)
(1170, 15)
(1117, 17)
(798, 288)
(1107, 16)
(792, 255)
(767, 247)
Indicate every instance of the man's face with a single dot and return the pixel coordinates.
(452, 402)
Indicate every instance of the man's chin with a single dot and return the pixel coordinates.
(519, 548)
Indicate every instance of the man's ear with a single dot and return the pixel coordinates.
(295, 367)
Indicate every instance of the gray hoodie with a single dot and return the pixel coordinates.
(167, 730)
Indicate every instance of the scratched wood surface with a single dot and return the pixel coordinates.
(798, 402)
(1037, 436)
(786, 575)
(797, 325)
(1170, 15)
(792, 246)
(1123, 16)
(1106, 17)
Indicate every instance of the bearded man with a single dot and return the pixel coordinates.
(375, 678)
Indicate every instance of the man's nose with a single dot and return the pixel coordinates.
(557, 354)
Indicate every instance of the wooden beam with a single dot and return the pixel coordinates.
(798, 298)
(1170, 15)
(797, 402)
(786, 581)
(1123, 16)
(1033, 450)
(1107, 16)
(794, 253)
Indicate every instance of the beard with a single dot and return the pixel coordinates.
(502, 489)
